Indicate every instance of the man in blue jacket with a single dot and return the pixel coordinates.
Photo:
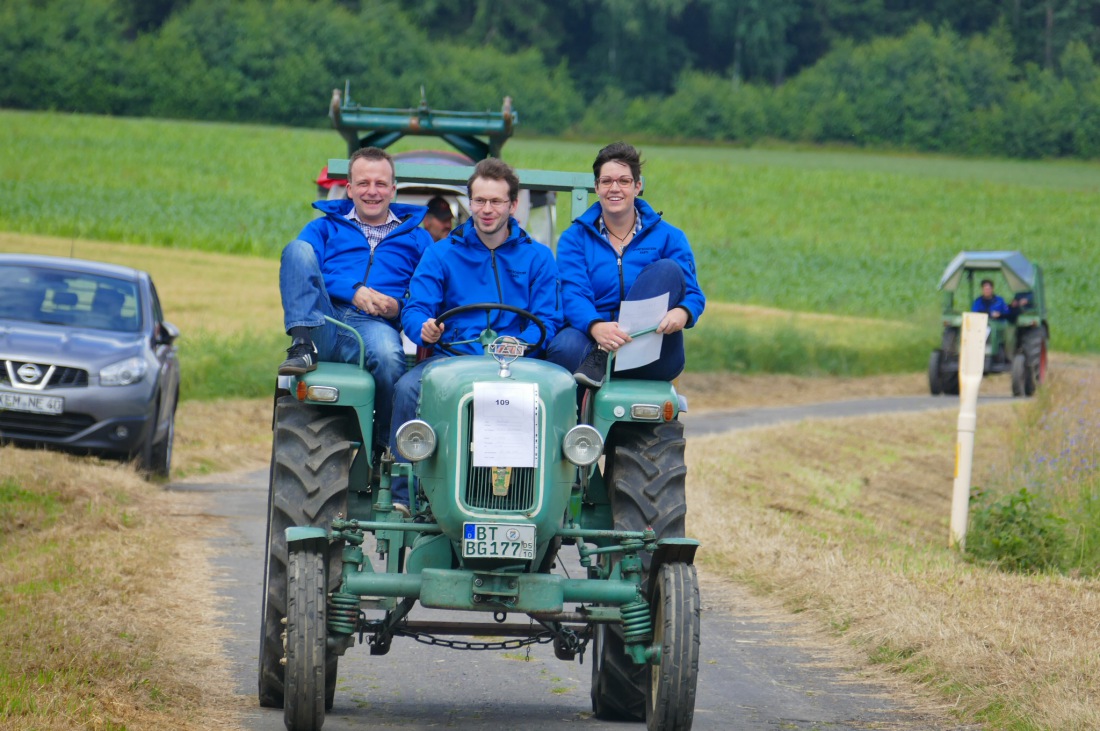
(990, 303)
(354, 264)
(487, 259)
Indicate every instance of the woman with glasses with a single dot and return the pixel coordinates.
(621, 249)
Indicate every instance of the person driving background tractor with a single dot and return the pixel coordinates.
(990, 303)
(489, 258)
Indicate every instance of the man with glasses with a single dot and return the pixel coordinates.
(621, 249)
(354, 264)
(489, 258)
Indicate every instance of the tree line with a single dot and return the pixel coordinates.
(1001, 77)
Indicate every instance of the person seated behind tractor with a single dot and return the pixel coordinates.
(990, 303)
(489, 258)
(1021, 302)
(354, 264)
(440, 220)
(621, 249)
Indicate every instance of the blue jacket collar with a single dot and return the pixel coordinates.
(466, 234)
(410, 215)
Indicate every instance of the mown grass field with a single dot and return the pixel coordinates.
(838, 232)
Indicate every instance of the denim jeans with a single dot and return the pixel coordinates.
(306, 303)
(570, 346)
(406, 397)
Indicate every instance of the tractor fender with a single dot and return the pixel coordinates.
(672, 550)
(302, 533)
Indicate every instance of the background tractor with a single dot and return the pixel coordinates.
(507, 476)
(1017, 343)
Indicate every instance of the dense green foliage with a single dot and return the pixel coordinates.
(835, 232)
(974, 78)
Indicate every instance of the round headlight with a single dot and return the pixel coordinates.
(582, 445)
(415, 440)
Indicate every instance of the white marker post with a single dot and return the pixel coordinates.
(971, 365)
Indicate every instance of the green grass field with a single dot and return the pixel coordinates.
(847, 233)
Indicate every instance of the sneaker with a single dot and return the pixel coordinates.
(301, 357)
(593, 368)
(402, 508)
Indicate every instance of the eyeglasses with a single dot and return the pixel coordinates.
(608, 182)
(496, 203)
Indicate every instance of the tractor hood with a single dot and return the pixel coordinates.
(1020, 273)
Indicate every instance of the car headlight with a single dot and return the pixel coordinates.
(415, 440)
(123, 373)
(582, 445)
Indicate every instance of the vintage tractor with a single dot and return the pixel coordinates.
(1017, 342)
(473, 135)
(506, 475)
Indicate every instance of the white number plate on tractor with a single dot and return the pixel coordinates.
(498, 540)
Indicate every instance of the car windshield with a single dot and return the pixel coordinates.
(75, 299)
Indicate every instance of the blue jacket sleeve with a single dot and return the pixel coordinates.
(425, 291)
(694, 301)
(544, 298)
(578, 300)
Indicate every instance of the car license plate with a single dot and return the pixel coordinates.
(32, 403)
(498, 540)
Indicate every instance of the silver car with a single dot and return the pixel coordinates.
(87, 361)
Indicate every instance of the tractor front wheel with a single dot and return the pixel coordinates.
(311, 457)
(304, 699)
(647, 476)
(670, 693)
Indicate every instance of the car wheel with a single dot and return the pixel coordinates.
(155, 458)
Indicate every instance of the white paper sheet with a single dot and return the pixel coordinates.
(505, 424)
(635, 315)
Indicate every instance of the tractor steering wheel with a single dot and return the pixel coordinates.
(449, 347)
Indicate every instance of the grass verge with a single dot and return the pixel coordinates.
(109, 620)
(846, 522)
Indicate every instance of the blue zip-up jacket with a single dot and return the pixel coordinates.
(997, 304)
(460, 270)
(345, 256)
(595, 280)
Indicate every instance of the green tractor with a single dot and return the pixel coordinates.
(1017, 341)
(506, 474)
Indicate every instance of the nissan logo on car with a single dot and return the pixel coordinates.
(29, 373)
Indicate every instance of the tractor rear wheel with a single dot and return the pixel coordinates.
(1034, 344)
(670, 694)
(646, 477)
(311, 460)
(304, 699)
(935, 374)
(1022, 383)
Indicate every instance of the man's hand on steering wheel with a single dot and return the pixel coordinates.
(431, 331)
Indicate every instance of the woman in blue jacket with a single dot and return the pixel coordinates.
(621, 249)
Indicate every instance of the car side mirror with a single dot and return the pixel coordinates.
(167, 333)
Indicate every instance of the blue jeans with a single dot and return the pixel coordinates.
(570, 346)
(306, 303)
(406, 397)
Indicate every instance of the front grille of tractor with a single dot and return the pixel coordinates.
(522, 494)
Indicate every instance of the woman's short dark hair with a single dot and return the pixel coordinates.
(620, 152)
